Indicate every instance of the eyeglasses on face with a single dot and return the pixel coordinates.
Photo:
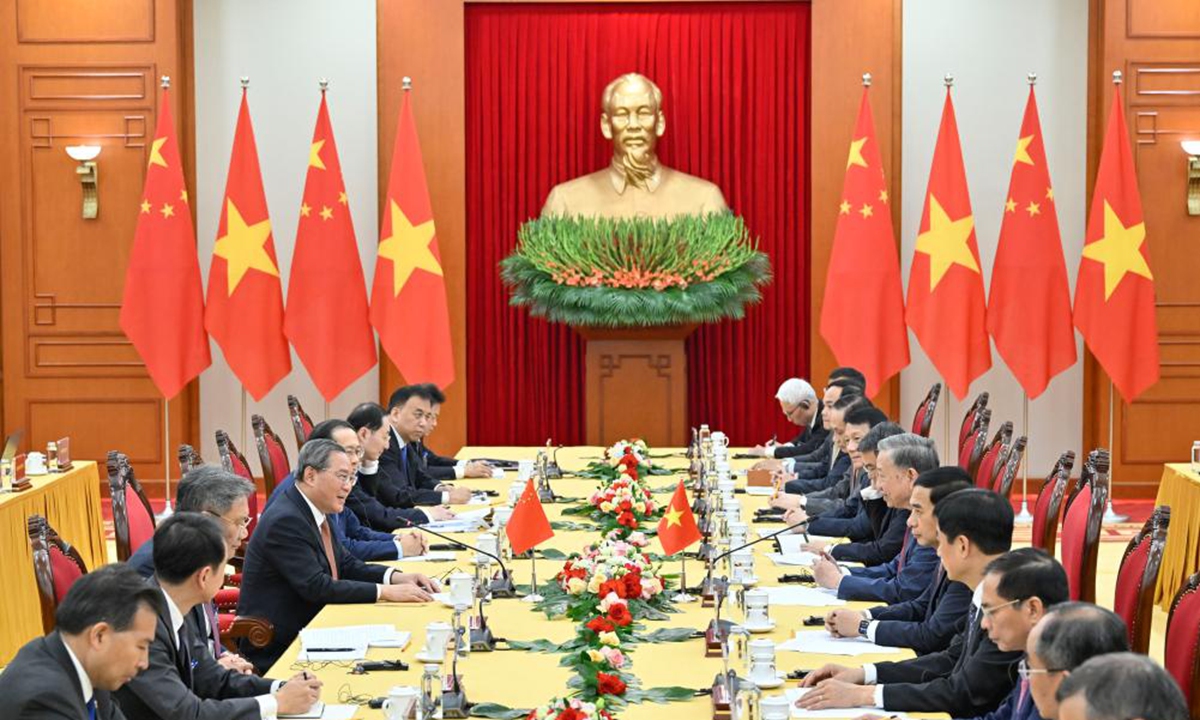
(1026, 672)
(988, 612)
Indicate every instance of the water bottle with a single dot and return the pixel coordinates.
(431, 692)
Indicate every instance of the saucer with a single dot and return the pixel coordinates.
(423, 656)
(757, 628)
(779, 680)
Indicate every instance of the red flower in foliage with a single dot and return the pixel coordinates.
(612, 586)
(570, 713)
(609, 684)
(600, 624)
(633, 586)
(619, 614)
(627, 519)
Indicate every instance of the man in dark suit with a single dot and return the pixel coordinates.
(856, 423)
(295, 565)
(1121, 685)
(856, 520)
(190, 553)
(104, 628)
(802, 408)
(214, 491)
(441, 467)
(970, 677)
(809, 464)
(406, 482)
(930, 621)
(1069, 635)
(373, 426)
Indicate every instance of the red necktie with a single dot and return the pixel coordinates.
(904, 549)
(327, 541)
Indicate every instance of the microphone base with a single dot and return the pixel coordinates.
(715, 637)
(724, 690)
(711, 589)
(454, 699)
(482, 639)
(502, 587)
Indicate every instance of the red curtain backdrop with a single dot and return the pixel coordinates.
(735, 93)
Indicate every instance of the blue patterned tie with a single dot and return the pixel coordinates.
(91, 706)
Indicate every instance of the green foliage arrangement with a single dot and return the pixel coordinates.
(640, 272)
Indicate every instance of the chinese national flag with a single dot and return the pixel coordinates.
(408, 296)
(528, 526)
(677, 529)
(162, 311)
(245, 302)
(1114, 292)
(1029, 306)
(862, 315)
(946, 308)
(327, 319)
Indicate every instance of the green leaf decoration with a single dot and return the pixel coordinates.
(666, 635)
(666, 694)
(498, 711)
(553, 554)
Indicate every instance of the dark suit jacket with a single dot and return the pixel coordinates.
(969, 678)
(879, 549)
(41, 684)
(828, 478)
(850, 521)
(1017, 706)
(362, 542)
(439, 467)
(200, 690)
(405, 482)
(365, 504)
(143, 562)
(286, 577)
(891, 582)
(820, 455)
(834, 499)
(807, 441)
(927, 623)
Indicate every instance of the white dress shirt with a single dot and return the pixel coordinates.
(320, 519)
(85, 682)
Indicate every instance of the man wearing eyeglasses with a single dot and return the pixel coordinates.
(1068, 636)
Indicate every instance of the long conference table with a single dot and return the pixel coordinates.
(520, 679)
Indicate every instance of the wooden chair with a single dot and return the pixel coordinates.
(271, 455)
(994, 456)
(1012, 463)
(1086, 473)
(969, 419)
(1181, 656)
(302, 424)
(188, 459)
(56, 567)
(1045, 509)
(1137, 579)
(1081, 526)
(233, 461)
(923, 419)
(971, 452)
(133, 520)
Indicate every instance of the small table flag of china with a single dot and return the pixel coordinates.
(677, 529)
(528, 526)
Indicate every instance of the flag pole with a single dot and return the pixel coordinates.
(1024, 517)
(167, 510)
(683, 596)
(1110, 515)
(946, 429)
(244, 416)
(533, 595)
(326, 409)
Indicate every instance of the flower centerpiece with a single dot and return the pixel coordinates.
(622, 505)
(568, 709)
(615, 567)
(624, 457)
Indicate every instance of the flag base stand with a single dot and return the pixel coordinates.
(1111, 516)
(724, 690)
(1024, 517)
(715, 637)
(683, 598)
(167, 511)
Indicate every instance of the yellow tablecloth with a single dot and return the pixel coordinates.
(71, 504)
(1180, 490)
(526, 679)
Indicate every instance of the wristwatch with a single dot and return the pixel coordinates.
(862, 627)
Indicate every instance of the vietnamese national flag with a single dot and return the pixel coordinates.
(245, 301)
(162, 310)
(326, 318)
(862, 315)
(1029, 305)
(677, 528)
(1114, 291)
(528, 526)
(946, 309)
(408, 296)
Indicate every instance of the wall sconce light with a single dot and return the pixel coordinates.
(85, 155)
(1192, 148)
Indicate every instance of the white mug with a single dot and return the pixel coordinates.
(400, 702)
(462, 588)
(487, 542)
(524, 470)
(515, 490)
(774, 707)
(35, 464)
(500, 517)
(757, 603)
(719, 439)
(762, 661)
(437, 635)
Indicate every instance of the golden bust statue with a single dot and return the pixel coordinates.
(635, 184)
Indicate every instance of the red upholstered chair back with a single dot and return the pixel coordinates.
(234, 462)
(188, 459)
(1086, 476)
(1045, 510)
(1081, 533)
(1007, 474)
(994, 456)
(1137, 578)
(971, 452)
(302, 424)
(1181, 656)
(133, 520)
(968, 421)
(271, 455)
(56, 567)
(923, 419)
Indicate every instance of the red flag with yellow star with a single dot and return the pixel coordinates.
(162, 310)
(1029, 305)
(862, 315)
(677, 529)
(408, 297)
(1114, 291)
(245, 302)
(326, 318)
(528, 526)
(946, 309)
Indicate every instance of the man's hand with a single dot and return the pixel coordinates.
(816, 548)
(762, 451)
(772, 465)
(413, 544)
(406, 593)
(793, 516)
(236, 663)
(299, 694)
(837, 694)
(827, 573)
(787, 502)
(422, 581)
(825, 672)
(843, 622)
(439, 512)
(459, 495)
(477, 469)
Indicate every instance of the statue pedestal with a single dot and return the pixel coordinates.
(636, 384)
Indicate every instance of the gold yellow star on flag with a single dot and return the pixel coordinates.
(945, 242)
(1010, 206)
(314, 155)
(1033, 209)
(856, 156)
(1120, 251)
(1022, 154)
(167, 210)
(156, 157)
(146, 206)
(342, 197)
(408, 248)
(866, 211)
(244, 247)
(672, 516)
(326, 212)
(305, 209)
(844, 208)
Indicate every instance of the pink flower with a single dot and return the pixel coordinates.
(614, 657)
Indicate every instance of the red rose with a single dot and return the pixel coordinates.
(633, 586)
(626, 505)
(619, 614)
(599, 624)
(627, 519)
(611, 586)
(570, 713)
(609, 684)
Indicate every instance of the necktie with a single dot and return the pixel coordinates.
(327, 541)
(91, 708)
(185, 658)
(904, 549)
(404, 459)
(214, 629)
(1024, 694)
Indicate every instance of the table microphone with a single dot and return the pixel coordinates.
(769, 536)
(503, 570)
